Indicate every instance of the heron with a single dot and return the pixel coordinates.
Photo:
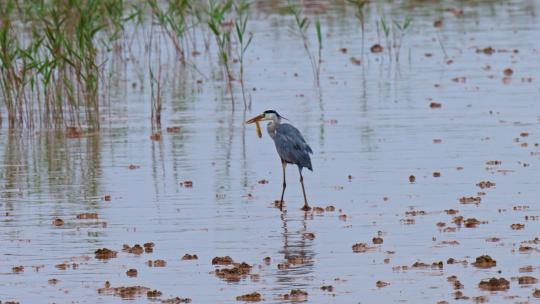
(290, 145)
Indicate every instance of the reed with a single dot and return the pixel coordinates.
(243, 41)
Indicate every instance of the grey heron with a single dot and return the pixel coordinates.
(290, 145)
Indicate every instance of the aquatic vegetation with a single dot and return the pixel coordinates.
(302, 25)
(243, 42)
(360, 6)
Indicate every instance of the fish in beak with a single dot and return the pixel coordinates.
(255, 119)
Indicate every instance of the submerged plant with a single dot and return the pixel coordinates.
(222, 34)
(240, 25)
(360, 5)
(302, 25)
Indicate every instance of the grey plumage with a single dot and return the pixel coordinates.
(292, 147)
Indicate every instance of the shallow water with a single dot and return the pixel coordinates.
(372, 122)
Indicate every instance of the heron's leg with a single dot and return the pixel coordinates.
(283, 164)
(306, 206)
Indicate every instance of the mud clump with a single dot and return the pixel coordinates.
(484, 261)
(360, 247)
(58, 222)
(250, 297)
(136, 249)
(156, 263)
(131, 273)
(328, 288)
(176, 300)
(267, 260)
(53, 281)
(435, 105)
(412, 179)
(152, 294)
(527, 280)
(470, 200)
(377, 240)
(494, 284)
(381, 284)
(517, 226)
(234, 274)
(298, 260)
(17, 269)
(376, 48)
(128, 292)
(309, 235)
(189, 257)
(436, 174)
(149, 247)
(536, 293)
(87, 216)
(186, 184)
(528, 268)
(226, 260)
(485, 184)
(296, 295)
(104, 254)
(173, 129)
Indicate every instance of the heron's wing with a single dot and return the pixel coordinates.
(291, 146)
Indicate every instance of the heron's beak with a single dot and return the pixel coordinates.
(255, 119)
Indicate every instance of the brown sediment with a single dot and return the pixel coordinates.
(74, 132)
(105, 253)
(318, 210)
(536, 293)
(360, 247)
(309, 235)
(508, 72)
(188, 256)
(457, 285)
(435, 105)
(263, 181)
(250, 297)
(524, 249)
(298, 260)
(527, 280)
(155, 137)
(226, 260)
(136, 249)
(484, 261)
(173, 129)
(355, 61)
(330, 208)
(131, 273)
(528, 268)
(493, 162)
(133, 167)
(377, 240)
(381, 284)
(234, 274)
(342, 217)
(451, 211)
(441, 224)
(485, 184)
(127, 292)
(458, 295)
(415, 212)
(296, 295)
(480, 299)
(436, 174)
(149, 247)
(87, 216)
(328, 288)
(470, 200)
(58, 222)
(437, 23)
(186, 184)
(267, 260)
(107, 198)
(493, 239)
(153, 294)
(412, 179)
(17, 269)
(53, 281)
(487, 50)
(176, 300)
(494, 284)
(407, 221)
(517, 226)
(376, 48)
(283, 266)
(156, 263)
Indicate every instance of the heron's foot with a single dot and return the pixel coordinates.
(306, 208)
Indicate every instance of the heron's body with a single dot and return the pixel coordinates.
(290, 146)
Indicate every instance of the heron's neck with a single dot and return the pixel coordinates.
(272, 126)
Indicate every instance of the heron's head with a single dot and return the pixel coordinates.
(266, 115)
